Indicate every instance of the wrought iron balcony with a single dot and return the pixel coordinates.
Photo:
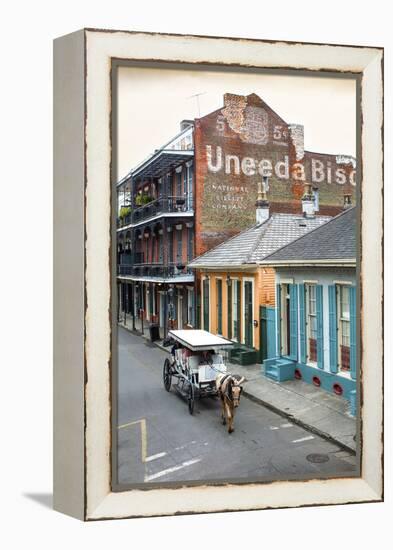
(158, 270)
(163, 205)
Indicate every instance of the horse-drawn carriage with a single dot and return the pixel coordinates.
(195, 363)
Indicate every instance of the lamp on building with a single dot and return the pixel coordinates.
(229, 280)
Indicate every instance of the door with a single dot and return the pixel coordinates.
(248, 314)
(263, 333)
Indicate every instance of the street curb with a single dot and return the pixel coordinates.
(272, 408)
(298, 422)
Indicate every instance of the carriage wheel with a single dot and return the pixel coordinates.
(191, 399)
(166, 374)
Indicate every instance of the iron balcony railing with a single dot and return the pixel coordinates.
(154, 270)
(162, 205)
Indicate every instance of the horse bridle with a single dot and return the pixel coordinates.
(228, 389)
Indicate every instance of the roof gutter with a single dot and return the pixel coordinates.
(332, 263)
(231, 267)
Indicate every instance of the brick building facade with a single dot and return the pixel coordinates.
(199, 189)
(239, 144)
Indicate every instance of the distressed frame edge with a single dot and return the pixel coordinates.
(69, 490)
(375, 493)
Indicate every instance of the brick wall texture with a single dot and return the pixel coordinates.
(239, 144)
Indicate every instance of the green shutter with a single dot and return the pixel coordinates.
(278, 325)
(193, 305)
(352, 330)
(198, 308)
(229, 301)
(293, 309)
(319, 304)
(302, 322)
(238, 311)
(333, 355)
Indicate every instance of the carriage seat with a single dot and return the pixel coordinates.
(194, 362)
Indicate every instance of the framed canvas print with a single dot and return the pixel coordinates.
(218, 274)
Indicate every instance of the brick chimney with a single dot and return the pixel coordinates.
(262, 204)
(308, 202)
(347, 201)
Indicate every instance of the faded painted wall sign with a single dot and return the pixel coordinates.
(239, 144)
(313, 170)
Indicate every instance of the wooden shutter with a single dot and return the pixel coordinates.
(319, 304)
(278, 308)
(179, 235)
(352, 330)
(293, 311)
(333, 350)
(198, 322)
(219, 305)
(238, 307)
(229, 309)
(302, 323)
(206, 304)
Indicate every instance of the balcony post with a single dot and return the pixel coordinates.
(118, 302)
(133, 306)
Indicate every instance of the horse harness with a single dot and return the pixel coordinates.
(226, 387)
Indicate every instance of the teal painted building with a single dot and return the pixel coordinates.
(315, 321)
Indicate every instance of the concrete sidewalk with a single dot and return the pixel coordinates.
(316, 410)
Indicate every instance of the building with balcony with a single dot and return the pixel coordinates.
(155, 237)
(199, 190)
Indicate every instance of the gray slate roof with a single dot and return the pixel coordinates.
(335, 240)
(253, 245)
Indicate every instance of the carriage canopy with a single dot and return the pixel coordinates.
(200, 340)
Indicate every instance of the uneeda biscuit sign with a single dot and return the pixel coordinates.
(239, 144)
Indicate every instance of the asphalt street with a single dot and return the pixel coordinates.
(159, 441)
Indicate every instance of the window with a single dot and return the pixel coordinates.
(185, 179)
(190, 307)
(170, 243)
(236, 310)
(311, 305)
(179, 235)
(160, 248)
(178, 189)
(190, 243)
(188, 189)
(343, 328)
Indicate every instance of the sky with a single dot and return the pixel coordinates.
(153, 101)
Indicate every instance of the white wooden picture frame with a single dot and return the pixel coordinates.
(82, 256)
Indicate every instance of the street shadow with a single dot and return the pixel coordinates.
(45, 499)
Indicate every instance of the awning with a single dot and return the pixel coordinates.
(161, 162)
